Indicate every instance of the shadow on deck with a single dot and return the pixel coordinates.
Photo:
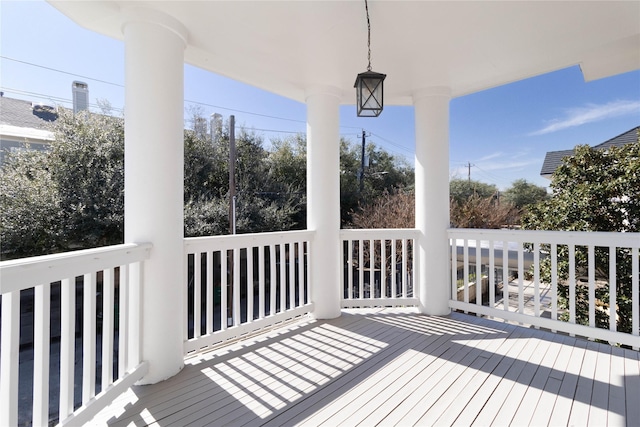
(394, 366)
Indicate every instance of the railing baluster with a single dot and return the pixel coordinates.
(236, 287)
(261, 282)
(89, 339)
(197, 295)
(520, 278)
(282, 285)
(41, 340)
(134, 287)
(572, 284)
(492, 275)
(123, 328)
(301, 274)
(404, 268)
(635, 291)
(454, 268)
(416, 270)
(185, 294)
(613, 291)
(9, 358)
(591, 260)
(536, 279)
(250, 287)
(505, 275)
(360, 269)
(372, 269)
(67, 343)
(210, 296)
(554, 281)
(350, 269)
(394, 273)
(272, 284)
(465, 272)
(224, 283)
(107, 328)
(478, 273)
(292, 275)
(383, 268)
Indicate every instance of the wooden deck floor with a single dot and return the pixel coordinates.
(395, 367)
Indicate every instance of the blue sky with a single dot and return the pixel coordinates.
(503, 132)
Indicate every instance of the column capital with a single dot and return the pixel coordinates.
(314, 90)
(148, 15)
(433, 91)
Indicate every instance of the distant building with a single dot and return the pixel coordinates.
(553, 159)
(25, 124)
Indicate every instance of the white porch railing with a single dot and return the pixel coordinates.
(240, 284)
(592, 296)
(379, 267)
(85, 350)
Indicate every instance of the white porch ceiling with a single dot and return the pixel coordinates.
(287, 46)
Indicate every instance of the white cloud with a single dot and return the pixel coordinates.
(590, 113)
(491, 156)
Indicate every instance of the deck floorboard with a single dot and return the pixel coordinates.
(394, 367)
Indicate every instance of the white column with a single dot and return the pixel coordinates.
(323, 199)
(432, 197)
(154, 179)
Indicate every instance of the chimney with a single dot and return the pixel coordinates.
(80, 96)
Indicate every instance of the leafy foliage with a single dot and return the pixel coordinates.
(461, 190)
(70, 197)
(384, 174)
(594, 190)
(522, 194)
(29, 206)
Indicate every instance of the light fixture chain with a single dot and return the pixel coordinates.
(366, 6)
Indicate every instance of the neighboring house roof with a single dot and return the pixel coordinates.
(553, 159)
(25, 114)
(24, 124)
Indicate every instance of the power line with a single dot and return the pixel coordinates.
(60, 71)
(392, 143)
(186, 100)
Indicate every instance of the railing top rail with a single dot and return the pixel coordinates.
(232, 241)
(597, 238)
(379, 233)
(25, 273)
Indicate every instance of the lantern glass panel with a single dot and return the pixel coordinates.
(369, 93)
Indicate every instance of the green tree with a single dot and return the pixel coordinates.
(265, 201)
(522, 194)
(385, 173)
(460, 190)
(72, 196)
(594, 190)
(30, 214)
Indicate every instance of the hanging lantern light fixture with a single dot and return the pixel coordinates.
(369, 85)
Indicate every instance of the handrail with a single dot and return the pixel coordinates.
(25, 273)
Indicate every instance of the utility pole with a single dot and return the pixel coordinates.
(361, 175)
(469, 173)
(232, 174)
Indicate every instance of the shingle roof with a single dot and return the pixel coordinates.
(553, 159)
(20, 113)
